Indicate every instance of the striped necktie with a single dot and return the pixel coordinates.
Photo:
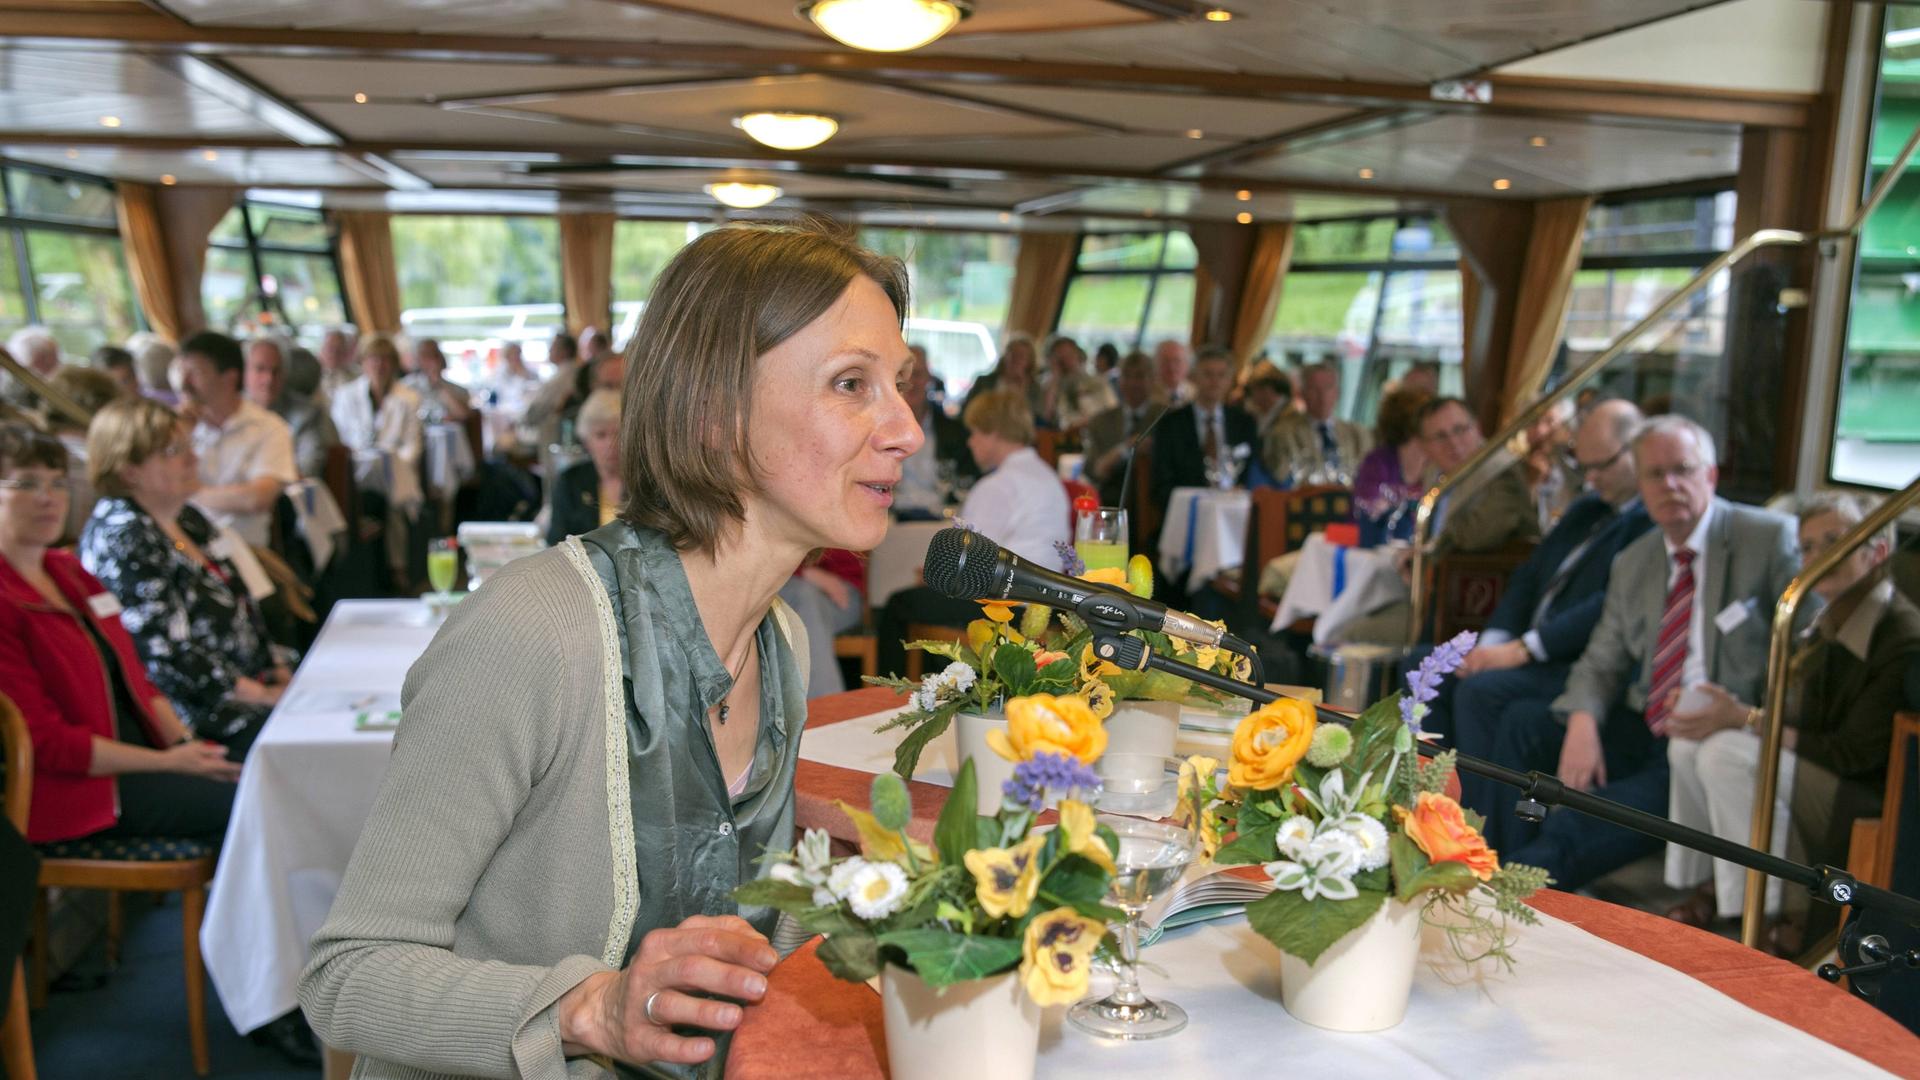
(1670, 653)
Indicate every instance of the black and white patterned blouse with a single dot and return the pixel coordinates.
(197, 631)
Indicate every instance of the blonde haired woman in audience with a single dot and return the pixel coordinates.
(600, 743)
(588, 495)
(1017, 369)
(1847, 679)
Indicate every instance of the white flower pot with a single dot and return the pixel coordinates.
(1363, 981)
(990, 770)
(1143, 727)
(967, 1031)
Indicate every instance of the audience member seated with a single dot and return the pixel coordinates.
(1392, 476)
(1543, 447)
(269, 383)
(1020, 504)
(942, 457)
(110, 756)
(1314, 446)
(1071, 395)
(1106, 362)
(1490, 509)
(1269, 397)
(1845, 682)
(1204, 436)
(543, 415)
(1109, 438)
(1171, 362)
(517, 385)
(337, 366)
(1552, 601)
(588, 495)
(1016, 370)
(36, 350)
(117, 364)
(91, 390)
(181, 592)
(245, 452)
(153, 363)
(379, 420)
(829, 595)
(441, 401)
(1687, 603)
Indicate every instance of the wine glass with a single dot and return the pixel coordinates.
(1100, 537)
(443, 564)
(1137, 796)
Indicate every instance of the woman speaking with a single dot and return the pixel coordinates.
(599, 744)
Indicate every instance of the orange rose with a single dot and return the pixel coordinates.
(1269, 743)
(1441, 830)
(1106, 575)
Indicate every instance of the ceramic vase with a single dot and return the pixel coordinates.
(967, 1031)
(990, 770)
(1362, 982)
(1143, 727)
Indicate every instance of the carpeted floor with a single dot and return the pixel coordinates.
(135, 1026)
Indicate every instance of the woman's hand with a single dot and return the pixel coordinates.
(720, 955)
(196, 757)
(1721, 712)
(253, 692)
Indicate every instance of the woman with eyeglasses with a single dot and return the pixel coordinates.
(195, 625)
(110, 755)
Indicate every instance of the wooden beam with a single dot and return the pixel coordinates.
(49, 22)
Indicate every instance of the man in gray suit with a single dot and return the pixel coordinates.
(1686, 603)
(1109, 436)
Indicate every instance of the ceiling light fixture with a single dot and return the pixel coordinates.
(168, 179)
(72, 153)
(787, 130)
(1502, 184)
(1196, 133)
(1366, 174)
(1537, 141)
(110, 121)
(885, 25)
(1243, 195)
(744, 196)
(1243, 218)
(1219, 15)
(210, 155)
(359, 99)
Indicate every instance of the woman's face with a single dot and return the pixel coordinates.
(33, 506)
(170, 474)
(831, 426)
(602, 441)
(1817, 534)
(1019, 363)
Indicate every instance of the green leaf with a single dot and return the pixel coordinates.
(1452, 877)
(943, 957)
(1378, 879)
(1014, 664)
(906, 756)
(766, 892)
(892, 806)
(1075, 879)
(955, 833)
(1306, 928)
(951, 650)
(1253, 845)
(854, 957)
(1406, 859)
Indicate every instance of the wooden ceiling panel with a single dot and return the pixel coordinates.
(55, 90)
(1162, 113)
(1182, 201)
(426, 80)
(1127, 153)
(241, 168)
(403, 124)
(584, 19)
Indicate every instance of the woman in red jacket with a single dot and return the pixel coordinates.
(109, 754)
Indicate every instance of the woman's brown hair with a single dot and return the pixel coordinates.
(722, 303)
(126, 431)
(1399, 418)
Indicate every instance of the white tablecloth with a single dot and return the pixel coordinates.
(1203, 533)
(895, 564)
(1334, 585)
(304, 795)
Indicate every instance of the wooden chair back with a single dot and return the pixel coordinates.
(1466, 587)
(16, 744)
(1279, 522)
(1903, 776)
(337, 475)
(1046, 443)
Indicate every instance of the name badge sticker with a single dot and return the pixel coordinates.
(104, 605)
(1733, 615)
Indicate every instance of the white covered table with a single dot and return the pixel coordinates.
(1204, 532)
(1334, 585)
(304, 795)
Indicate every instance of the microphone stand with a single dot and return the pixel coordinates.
(1874, 954)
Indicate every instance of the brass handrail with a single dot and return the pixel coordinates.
(55, 399)
(1779, 651)
(1762, 238)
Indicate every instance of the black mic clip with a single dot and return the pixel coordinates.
(1122, 651)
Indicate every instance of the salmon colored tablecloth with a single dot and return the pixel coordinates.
(814, 1027)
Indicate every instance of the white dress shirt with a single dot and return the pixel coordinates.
(1022, 506)
(1694, 669)
(386, 446)
(252, 443)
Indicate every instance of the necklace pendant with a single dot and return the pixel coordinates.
(724, 710)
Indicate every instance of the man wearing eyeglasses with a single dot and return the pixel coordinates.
(1551, 604)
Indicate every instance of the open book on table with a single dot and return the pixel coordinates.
(1205, 892)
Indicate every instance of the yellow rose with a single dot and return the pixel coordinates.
(1269, 743)
(1441, 830)
(1099, 697)
(1056, 954)
(1077, 826)
(1005, 879)
(1043, 723)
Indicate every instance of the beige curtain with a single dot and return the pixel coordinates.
(1540, 310)
(1260, 289)
(586, 270)
(367, 270)
(164, 234)
(1040, 280)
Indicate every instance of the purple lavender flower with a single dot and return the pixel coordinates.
(1044, 773)
(1070, 561)
(1423, 683)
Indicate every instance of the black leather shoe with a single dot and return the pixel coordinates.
(291, 1036)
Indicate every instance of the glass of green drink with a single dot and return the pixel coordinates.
(443, 564)
(1100, 537)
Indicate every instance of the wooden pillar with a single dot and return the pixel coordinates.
(1493, 237)
(1224, 250)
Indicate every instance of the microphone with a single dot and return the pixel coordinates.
(969, 566)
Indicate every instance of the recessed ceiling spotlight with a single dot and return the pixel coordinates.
(359, 99)
(885, 25)
(787, 130)
(1502, 184)
(72, 153)
(1537, 141)
(1219, 15)
(110, 121)
(744, 196)
(1243, 195)
(1005, 218)
(1366, 174)
(168, 179)
(210, 155)
(1243, 218)
(1196, 133)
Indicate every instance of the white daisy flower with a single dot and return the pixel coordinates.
(877, 890)
(840, 879)
(786, 873)
(1370, 836)
(959, 676)
(1294, 835)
